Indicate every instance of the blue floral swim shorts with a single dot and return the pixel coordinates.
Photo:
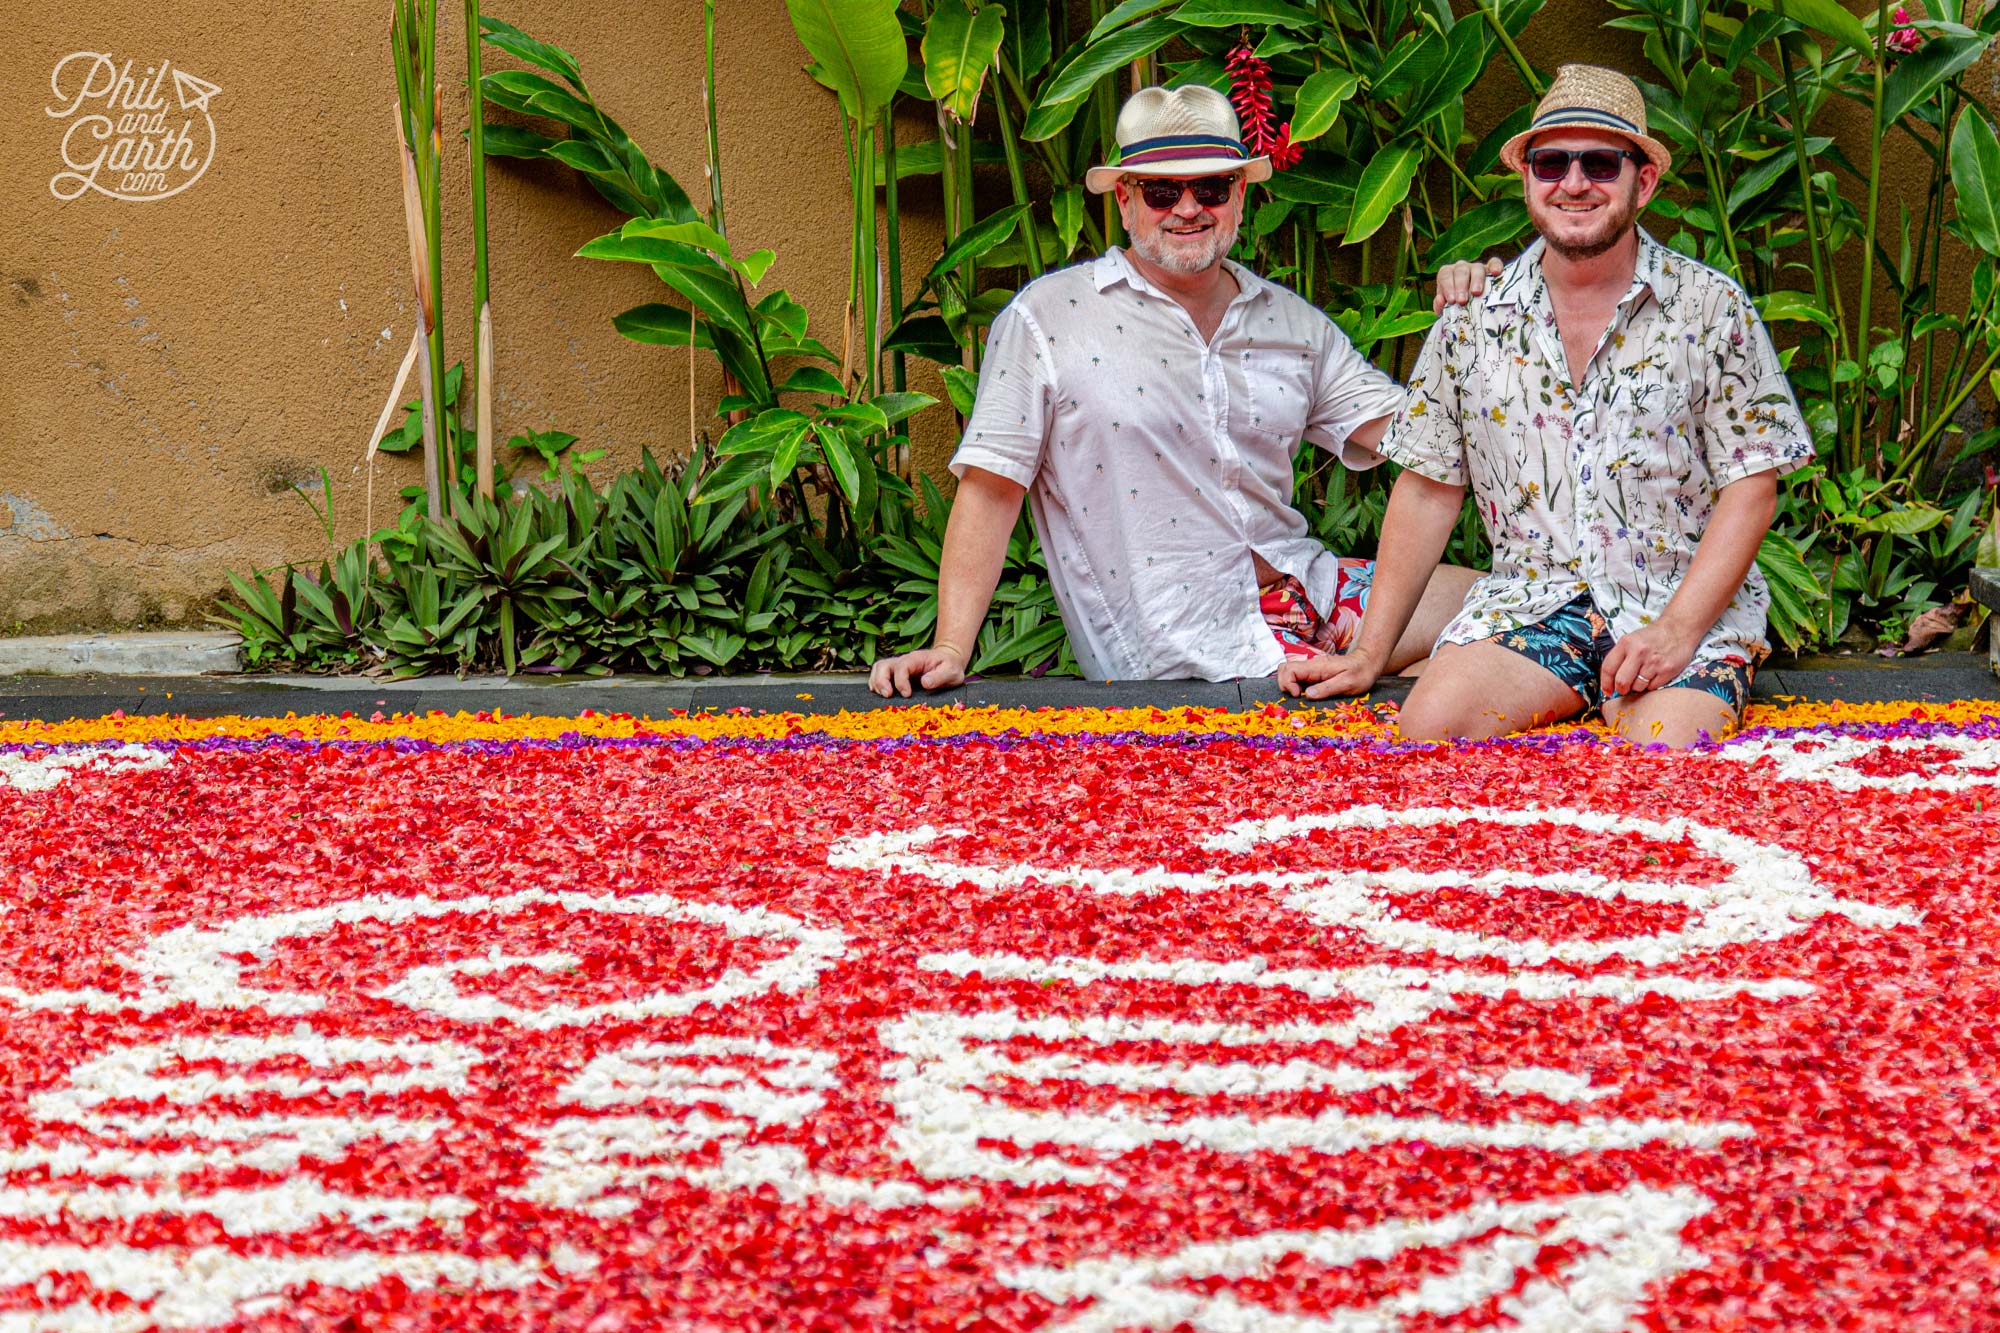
(1574, 642)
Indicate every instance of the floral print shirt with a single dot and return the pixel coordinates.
(1603, 486)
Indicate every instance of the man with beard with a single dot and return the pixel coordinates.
(1622, 420)
(1148, 405)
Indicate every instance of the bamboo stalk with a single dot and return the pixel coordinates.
(868, 268)
(414, 225)
(485, 456)
(481, 296)
(713, 167)
(1877, 131)
(898, 373)
(434, 249)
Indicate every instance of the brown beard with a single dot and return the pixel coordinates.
(1624, 217)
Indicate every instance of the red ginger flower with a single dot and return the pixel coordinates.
(1904, 39)
(1284, 153)
(1250, 92)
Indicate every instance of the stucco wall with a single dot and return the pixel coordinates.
(170, 369)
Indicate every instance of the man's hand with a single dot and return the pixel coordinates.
(930, 668)
(1649, 658)
(1324, 676)
(1460, 281)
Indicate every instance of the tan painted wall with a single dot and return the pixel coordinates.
(172, 368)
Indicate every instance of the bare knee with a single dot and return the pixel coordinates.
(1676, 724)
(1441, 715)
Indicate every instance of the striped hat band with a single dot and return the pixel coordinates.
(1171, 147)
(1586, 115)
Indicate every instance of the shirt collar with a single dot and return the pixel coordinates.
(1113, 267)
(1657, 269)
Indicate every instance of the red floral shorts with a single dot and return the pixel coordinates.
(1300, 629)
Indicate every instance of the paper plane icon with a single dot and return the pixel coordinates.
(193, 92)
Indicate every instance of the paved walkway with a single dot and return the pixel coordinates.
(1938, 676)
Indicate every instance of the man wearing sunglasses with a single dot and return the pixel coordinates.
(1148, 405)
(1622, 420)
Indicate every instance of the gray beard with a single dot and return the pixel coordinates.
(1220, 242)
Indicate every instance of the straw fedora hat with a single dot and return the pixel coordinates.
(1187, 131)
(1590, 97)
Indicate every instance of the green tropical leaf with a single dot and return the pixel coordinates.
(859, 47)
(662, 325)
(959, 46)
(1486, 154)
(1318, 103)
(785, 447)
(979, 238)
(1124, 12)
(962, 386)
(1975, 175)
(786, 315)
(1465, 57)
(1067, 208)
(565, 106)
(1711, 99)
(1915, 77)
(897, 407)
(1664, 111)
(1902, 521)
(1827, 18)
(506, 37)
(1230, 13)
(1049, 119)
(516, 89)
(1092, 63)
(713, 292)
(1028, 36)
(642, 250)
(839, 455)
(697, 234)
(1409, 62)
(1312, 182)
(1477, 231)
(811, 379)
(927, 158)
(1026, 648)
(514, 140)
(1385, 183)
(1787, 304)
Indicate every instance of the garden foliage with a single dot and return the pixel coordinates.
(803, 539)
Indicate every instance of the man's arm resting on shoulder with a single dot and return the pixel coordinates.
(975, 550)
(1415, 529)
(1662, 650)
(1369, 434)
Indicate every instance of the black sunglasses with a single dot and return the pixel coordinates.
(1209, 191)
(1599, 164)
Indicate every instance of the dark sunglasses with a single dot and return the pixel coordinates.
(1599, 164)
(1209, 191)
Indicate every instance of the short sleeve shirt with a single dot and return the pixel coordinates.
(1602, 487)
(1156, 462)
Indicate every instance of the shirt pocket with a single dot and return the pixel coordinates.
(1277, 394)
(1650, 436)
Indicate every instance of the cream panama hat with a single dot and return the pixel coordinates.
(1590, 97)
(1189, 131)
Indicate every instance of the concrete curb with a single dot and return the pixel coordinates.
(170, 654)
